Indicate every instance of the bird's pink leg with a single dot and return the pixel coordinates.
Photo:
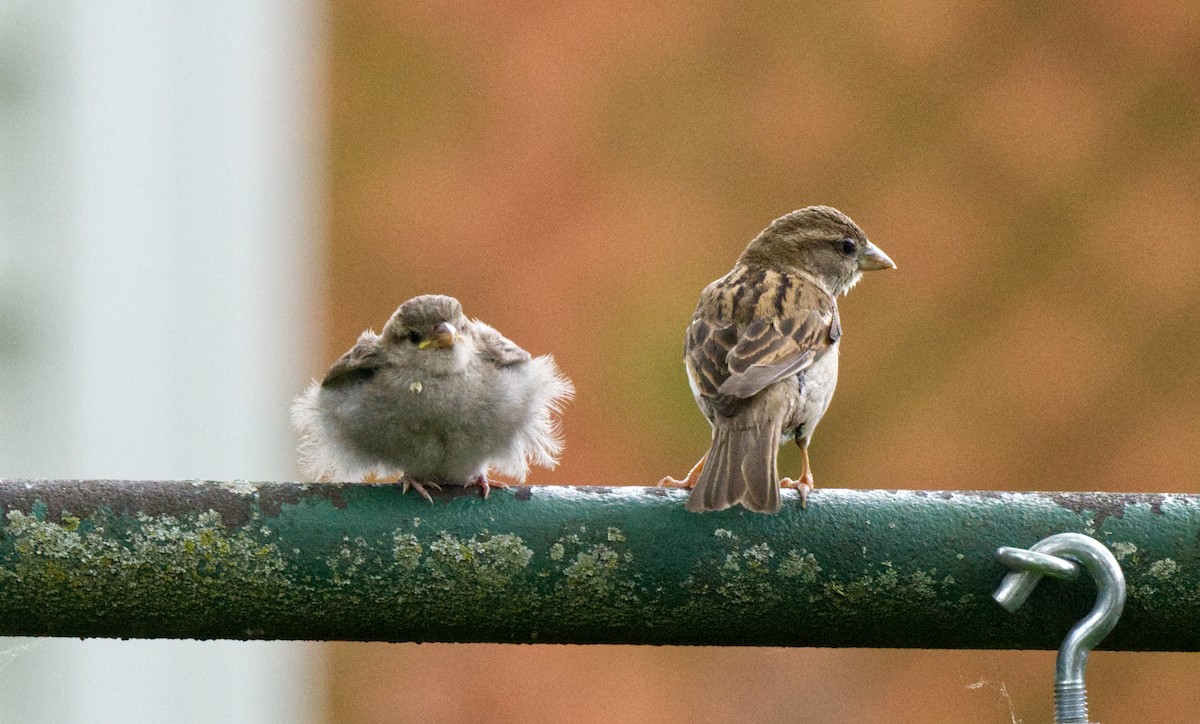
(805, 484)
(407, 482)
(487, 484)
(690, 481)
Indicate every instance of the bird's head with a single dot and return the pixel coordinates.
(818, 242)
(426, 324)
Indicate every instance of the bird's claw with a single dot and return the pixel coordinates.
(804, 485)
(406, 483)
(670, 482)
(483, 482)
(688, 482)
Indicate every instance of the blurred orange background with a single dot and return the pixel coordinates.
(575, 173)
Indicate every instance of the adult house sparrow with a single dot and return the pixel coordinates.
(762, 354)
(438, 399)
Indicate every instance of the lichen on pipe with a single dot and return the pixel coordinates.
(874, 568)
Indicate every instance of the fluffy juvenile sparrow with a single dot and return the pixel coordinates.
(438, 399)
(762, 354)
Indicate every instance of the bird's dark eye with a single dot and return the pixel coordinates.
(847, 247)
(414, 337)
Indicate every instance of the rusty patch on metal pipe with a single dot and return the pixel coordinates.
(83, 498)
(271, 497)
(1107, 505)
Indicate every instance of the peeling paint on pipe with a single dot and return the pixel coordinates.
(869, 568)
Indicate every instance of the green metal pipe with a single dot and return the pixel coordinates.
(877, 568)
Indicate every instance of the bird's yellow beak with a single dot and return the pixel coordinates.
(443, 336)
(873, 258)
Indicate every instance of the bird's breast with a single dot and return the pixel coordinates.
(815, 386)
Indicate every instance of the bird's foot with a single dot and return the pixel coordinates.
(406, 483)
(670, 482)
(805, 485)
(486, 484)
(687, 483)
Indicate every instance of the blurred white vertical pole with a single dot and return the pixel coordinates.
(165, 239)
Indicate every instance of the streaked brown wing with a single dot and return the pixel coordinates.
(772, 349)
(753, 328)
(707, 348)
(358, 365)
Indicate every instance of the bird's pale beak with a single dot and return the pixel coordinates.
(442, 337)
(873, 258)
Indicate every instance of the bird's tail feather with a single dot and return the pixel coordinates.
(740, 468)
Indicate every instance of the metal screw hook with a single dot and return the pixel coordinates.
(1070, 692)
